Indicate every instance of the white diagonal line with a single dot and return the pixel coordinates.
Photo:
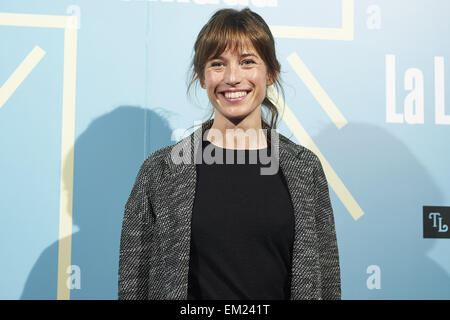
(317, 91)
(300, 133)
(20, 74)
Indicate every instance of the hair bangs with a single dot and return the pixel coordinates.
(228, 37)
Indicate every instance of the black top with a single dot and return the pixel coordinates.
(242, 231)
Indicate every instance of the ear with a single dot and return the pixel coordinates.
(202, 83)
(271, 79)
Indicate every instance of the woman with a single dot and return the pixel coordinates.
(200, 229)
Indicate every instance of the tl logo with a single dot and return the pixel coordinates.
(441, 227)
(435, 222)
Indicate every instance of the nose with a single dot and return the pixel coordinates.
(232, 75)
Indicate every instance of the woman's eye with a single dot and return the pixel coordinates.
(219, 64)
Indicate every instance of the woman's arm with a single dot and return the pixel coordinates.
(135, 242)
(326, 234)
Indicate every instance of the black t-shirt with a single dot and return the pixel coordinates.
(242, 231)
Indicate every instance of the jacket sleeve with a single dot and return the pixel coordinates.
(327, 242)
(135, 242)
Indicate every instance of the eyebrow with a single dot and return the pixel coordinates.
(244, 55)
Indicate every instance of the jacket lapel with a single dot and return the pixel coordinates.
(299, 179)
(178, 186)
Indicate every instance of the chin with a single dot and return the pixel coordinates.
(236, 116)
(236, 112)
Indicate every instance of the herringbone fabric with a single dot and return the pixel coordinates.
(155, 239)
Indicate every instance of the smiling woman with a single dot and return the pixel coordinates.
(235, 62)
(236, 86)
(225, 230)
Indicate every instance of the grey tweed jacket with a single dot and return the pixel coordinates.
(156, 230)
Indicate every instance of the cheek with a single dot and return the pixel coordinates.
(258, 78)
(210, 82)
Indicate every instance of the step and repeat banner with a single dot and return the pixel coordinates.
(88, 89)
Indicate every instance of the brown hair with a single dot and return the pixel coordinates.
(232, 29)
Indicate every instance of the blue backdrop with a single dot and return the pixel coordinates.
(364, 80)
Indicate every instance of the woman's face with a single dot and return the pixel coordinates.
(236, 82)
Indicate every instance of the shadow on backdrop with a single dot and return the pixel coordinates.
(107, 158)
(385, 178)
(391, 186)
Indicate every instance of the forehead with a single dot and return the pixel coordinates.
(237, 49)
(228, 40)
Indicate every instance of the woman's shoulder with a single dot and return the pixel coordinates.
(153, 165)
(154, 162)
(301, 152)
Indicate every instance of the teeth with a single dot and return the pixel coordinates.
(234, 95)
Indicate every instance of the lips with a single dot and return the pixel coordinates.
(234, 95)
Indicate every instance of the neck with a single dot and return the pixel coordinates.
(244, 133)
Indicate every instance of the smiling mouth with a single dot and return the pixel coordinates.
(235, 95)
